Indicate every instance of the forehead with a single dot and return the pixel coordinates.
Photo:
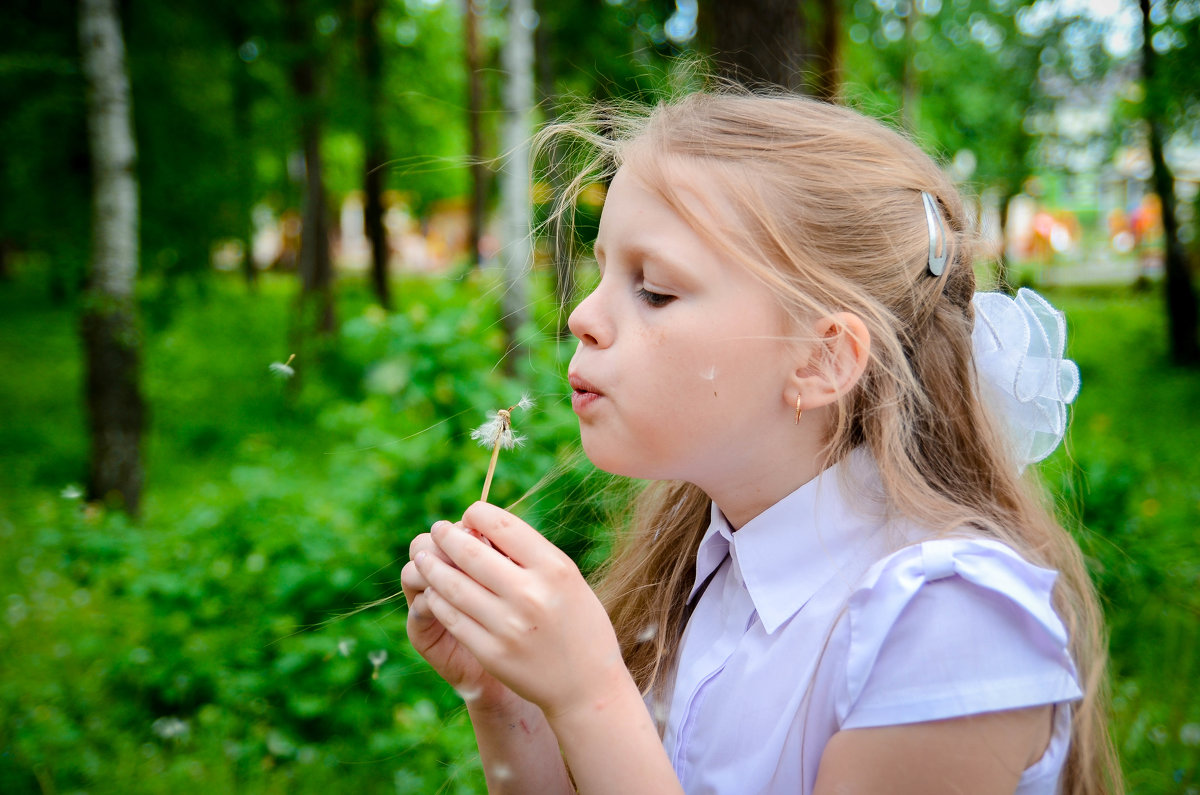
(661, 199)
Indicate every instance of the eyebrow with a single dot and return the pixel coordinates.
(643, 252)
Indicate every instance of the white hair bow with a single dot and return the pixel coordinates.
(1019, 345)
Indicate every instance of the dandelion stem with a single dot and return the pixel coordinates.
(505, 419)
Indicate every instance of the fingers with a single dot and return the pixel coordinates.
(412, 581)
(465, 594)
(509, 534)
(465, 629)
(478, 558)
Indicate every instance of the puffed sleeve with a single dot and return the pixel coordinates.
(952, 627)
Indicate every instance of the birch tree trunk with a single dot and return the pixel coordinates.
(110, 328)
(516, 254)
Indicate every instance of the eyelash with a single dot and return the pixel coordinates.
(656, 300)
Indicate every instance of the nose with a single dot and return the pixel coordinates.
(590, 323)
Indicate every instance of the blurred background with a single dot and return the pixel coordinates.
(264, 265)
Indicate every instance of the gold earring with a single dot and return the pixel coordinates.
(799, 410)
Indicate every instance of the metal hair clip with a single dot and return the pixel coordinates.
(933, 219)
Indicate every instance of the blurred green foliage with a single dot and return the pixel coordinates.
(212, 646)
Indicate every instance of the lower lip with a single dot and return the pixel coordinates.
(580, 401)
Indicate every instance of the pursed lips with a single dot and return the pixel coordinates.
(583, 393)
(581, 385)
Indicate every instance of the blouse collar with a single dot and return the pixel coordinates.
(787, 552)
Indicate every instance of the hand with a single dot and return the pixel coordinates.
(520, 606)
(446, 655)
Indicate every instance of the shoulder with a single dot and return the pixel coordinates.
(952, 627)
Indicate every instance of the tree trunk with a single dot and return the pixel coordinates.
(316, 267)
(1180, 291)
(313, 262)
(828, 61)
(1003, 267)
(242, 101)
(376, 156)
(910, 91)
(563, 239)
(475, 214)
(755, 42)
(110, 329)
(516, 252)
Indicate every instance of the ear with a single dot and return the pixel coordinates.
(835, 361)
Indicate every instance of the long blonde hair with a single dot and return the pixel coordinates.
(829, 217)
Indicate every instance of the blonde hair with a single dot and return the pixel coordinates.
(830, 217)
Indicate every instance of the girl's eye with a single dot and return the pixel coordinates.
(654, 299)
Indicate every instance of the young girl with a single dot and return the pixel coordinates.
(837, 580)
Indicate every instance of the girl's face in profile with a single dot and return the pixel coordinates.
(683, 360)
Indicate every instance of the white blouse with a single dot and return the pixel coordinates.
(823, 615)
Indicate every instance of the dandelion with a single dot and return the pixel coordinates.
(377, 657)
(497, 433)
(283, 369)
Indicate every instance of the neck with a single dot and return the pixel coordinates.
(776, 468)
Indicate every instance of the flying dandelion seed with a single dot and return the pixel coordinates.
(171, 728)
(497, 433)
(469, 694)
(345, 646)
(647, 634)
(71, 492)
(377, 658)
(283, 369)
(660, 711)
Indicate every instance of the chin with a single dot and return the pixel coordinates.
(622, 460)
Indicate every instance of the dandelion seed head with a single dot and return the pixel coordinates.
(497, 431)
(493, 430)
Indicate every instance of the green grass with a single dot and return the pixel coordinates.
(274, 506)
(1132, 475)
